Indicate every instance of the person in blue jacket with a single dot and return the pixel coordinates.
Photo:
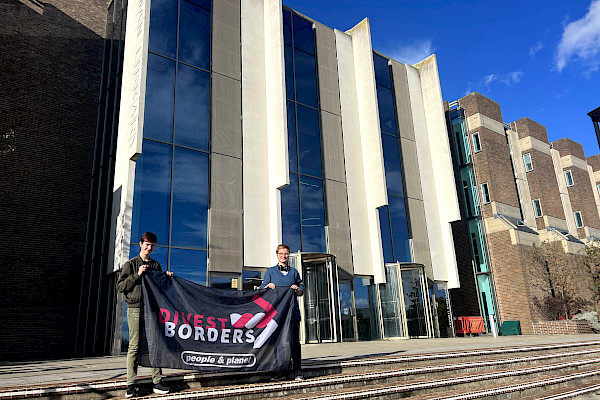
(283, 275)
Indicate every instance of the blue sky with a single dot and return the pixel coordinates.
(537, 59)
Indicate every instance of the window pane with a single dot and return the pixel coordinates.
(387, 116)
(304, 37)
(192, 108)
(399, 225)
(414, 302)
(287, 27)
(292, 143)
(393, 166)
(163, 27)
(152, 192)
(578, 219)
(386, 234)
(189, 264)
(160, 88)
(309, 141)
(289, 73)
(313, 214)
(306, 78)
(221, 282)
(251, 279)
(290, 214)
(382, 71)
(476, 144)
(194, 35)
(190, 198)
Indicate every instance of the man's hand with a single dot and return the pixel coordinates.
(142, 269)
(271, 285)
(294, 287)
(170, 273)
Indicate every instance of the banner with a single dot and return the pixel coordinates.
(190, 326)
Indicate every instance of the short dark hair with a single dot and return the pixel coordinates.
(149, 237)
(282, 246)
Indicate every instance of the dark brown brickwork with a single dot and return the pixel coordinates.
(582, 199)
(566, 327)
(526, 127)
(566, 146)
(51, 66)
(594, 162)
(476, 103)
(543, 185)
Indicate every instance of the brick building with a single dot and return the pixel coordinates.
(526, 193)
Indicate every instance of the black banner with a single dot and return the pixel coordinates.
(189, 326)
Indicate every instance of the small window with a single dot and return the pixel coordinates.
(537, 208)
(527, 161)
(578, 219)
(599, 189)
(476, 142)
(569, 177)
(485, 193)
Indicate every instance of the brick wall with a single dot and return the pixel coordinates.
(476, 103)
(526, 127)
(567, 146)
(50, 84)
(566, 327)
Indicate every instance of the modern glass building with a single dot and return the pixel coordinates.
(242, 125)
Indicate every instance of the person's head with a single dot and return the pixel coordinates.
(147, 243)
(283, 253)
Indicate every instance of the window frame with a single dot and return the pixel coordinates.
(569, 175)
(485, 193)
(535, 209)
(578, 221)
(476, 141)
(525, 163)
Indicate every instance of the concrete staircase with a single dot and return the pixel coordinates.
(548, 371)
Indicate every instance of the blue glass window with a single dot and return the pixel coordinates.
(163, 27)
(387, 115)
(386, 234)
(289, 73)
(400, 232)
(290, 215)
(382, 71)
(287, 27)
(189, 264)
(306, 78)
(152, 192)
(192, 114)
(292, 143)
(194, 35)
(392, 163)
(304, 36)
(190, 198)
(309, 141)
(160, 90)
(313, 214)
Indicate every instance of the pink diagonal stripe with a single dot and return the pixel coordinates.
(243, 320)
(268, 307)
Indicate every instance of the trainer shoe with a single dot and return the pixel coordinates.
(161, 388)
(131, 392)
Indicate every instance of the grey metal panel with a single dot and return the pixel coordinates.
(403, 108)
(329, 90)
(420, 240)
(225, 228)
(338, 227)
(411, 169)
(333, 147)
(226, 49)
(226, 116)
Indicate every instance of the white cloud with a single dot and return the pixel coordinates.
(413, 53)
(535, 48)
(581, 39)
(508, 79)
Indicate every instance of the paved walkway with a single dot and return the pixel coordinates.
(64, 372)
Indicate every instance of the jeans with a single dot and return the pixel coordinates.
(133, 320)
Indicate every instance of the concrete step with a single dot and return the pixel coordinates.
(421, 372)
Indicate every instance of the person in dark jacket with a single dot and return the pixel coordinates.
(284, 275)
(129, 284)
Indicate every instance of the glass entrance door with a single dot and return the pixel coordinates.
(318, 319)
(347, 311)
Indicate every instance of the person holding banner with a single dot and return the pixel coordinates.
(283, 275)
(129, 284)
